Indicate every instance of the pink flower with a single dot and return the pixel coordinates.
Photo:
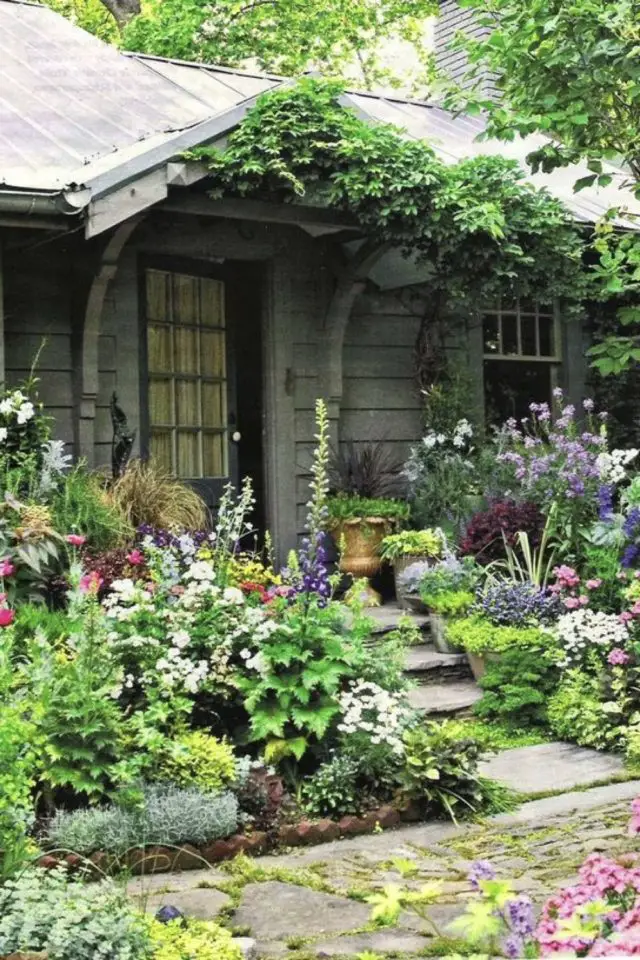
(7, 616)
(618, 657)
(90, 582)
(566, 576)
(625, 617)
(572, 603)
(583, 600)
(7, 568)
(593, 584)
(75, 539)
(135, 558)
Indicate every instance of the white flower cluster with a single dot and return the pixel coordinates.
(585, 629)
(17, 406)
(367, 708)
(462, 433)
(126, 599)
(612, 466)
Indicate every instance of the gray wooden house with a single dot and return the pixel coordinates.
(218, 322)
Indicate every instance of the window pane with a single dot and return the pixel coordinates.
(510, 335)
(215, 455)
(214, 413)
(186, 360)
(212, 303)
(213, 353)
(187, 401)
(157, 295)
(188, 457)
(160, 403)
(159, 349)
(528, 334)
(510, 386)
(186, 306)
(490, 331)
(547, 345)
(160, 449)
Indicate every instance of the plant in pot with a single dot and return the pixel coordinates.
(366, 482)
(405, 548)
(447, 590)
(359, 524)
(506, 616)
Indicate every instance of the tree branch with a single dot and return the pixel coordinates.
(122, 10)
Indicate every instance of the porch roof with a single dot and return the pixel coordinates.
(81, 122)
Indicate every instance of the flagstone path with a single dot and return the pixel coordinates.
(309, 903)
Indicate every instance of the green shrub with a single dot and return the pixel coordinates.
(43, 910)
(168, 815)
(440, 771)
(358, 508)
(333, 790)
(197, 760)
(450, 603)
(196, 940)
(517, 688)
(478, 635)
(413, 543)
(80, 504)
(577, 713)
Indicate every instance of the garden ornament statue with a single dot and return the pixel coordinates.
(123, 438)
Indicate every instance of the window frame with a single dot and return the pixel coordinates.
(499, 313)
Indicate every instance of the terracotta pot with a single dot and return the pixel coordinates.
(478, 663)
(361, 539)
(438, 627)
(400, 564)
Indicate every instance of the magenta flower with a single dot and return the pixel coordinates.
(7, 616)
(135, 558)
(618, 657)
(7, 568)
(566, 576)
(571, 603)
(90, 582)
(75, 539)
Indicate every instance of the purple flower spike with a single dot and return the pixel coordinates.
(520, 916)
(480, 870)
(513, 946)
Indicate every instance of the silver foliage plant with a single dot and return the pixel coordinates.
(169, 816)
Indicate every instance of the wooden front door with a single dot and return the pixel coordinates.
(190, 383)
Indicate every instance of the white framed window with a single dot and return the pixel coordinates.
(522, 357)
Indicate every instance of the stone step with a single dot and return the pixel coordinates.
(387, 618)
(445, 699)
(426, 665)
(551, 766)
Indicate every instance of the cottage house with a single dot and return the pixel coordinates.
(218, 322)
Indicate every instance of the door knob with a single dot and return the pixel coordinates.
(236, 436)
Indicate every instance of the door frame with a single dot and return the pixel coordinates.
(209, 488)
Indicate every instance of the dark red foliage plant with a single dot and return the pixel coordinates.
(486, 532)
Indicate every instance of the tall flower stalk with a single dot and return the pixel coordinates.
(313, 578)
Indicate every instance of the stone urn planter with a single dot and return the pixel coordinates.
(360, 540)
(479, 661)
(438, 627)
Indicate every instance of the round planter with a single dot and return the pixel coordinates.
(400, 564)
(438, 626)
(479, 661)
(361, 538)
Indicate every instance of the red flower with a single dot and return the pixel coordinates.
(75, 539)
(7, 616)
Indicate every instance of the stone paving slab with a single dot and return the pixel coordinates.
(445, 698)
(386, 618)
(551, 766)
(276, 911)
(198, 904)
(424, 657)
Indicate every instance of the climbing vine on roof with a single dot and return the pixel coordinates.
(483, 230)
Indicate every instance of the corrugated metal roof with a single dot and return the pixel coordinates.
(75, 111)
(69, 101)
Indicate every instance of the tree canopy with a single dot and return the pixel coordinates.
(570, 69)
(287, 37)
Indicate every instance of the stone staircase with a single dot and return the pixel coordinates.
(444, 683)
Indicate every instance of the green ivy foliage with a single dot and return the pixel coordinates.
(482, 228)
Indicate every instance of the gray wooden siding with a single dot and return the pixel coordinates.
(37, 308)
